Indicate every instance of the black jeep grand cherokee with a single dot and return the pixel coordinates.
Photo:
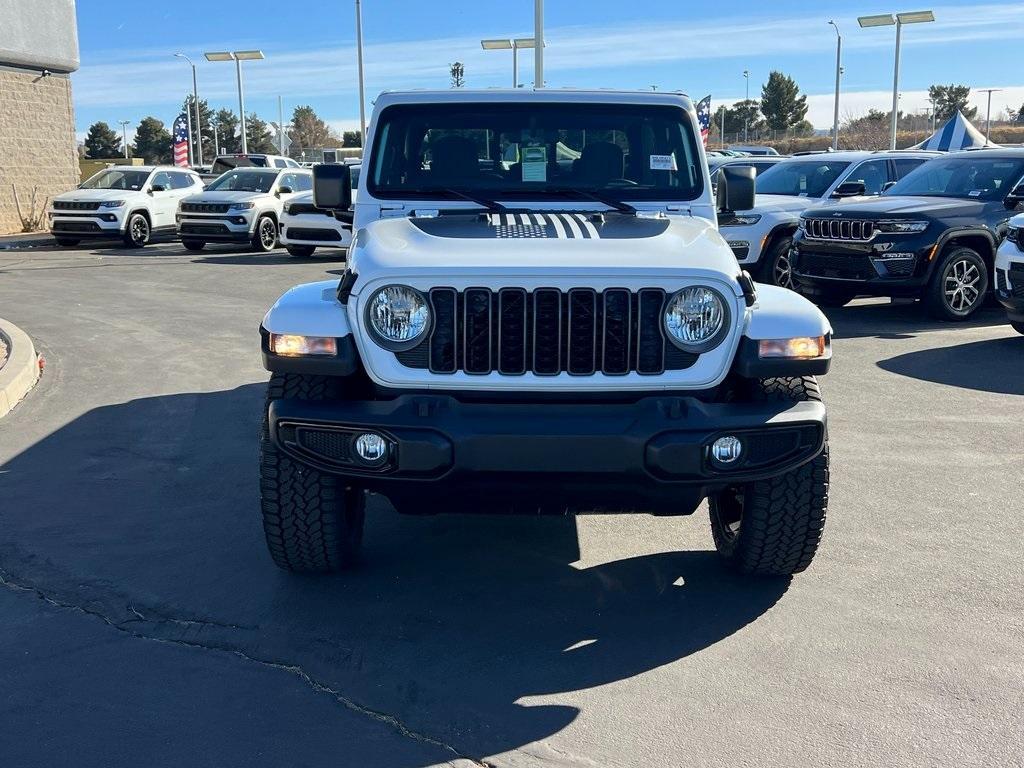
(933, 235)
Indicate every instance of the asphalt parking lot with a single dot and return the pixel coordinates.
(144, 623)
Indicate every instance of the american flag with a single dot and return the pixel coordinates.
(180, 131)
(704, 118)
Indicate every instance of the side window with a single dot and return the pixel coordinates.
(303, 182)
(162, 179)
(874, 174)
(289, 163)
(279, 163)
(289, 180)
(905, 165)
(180, 180)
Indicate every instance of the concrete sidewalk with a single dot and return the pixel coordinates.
(21, 371)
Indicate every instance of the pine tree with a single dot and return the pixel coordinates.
(227, 132)
(102, 142)
(950, 99)
(152, 141)
(781, 102)
(258, 135)
(309, 131)
(206, 118)
(351, 139)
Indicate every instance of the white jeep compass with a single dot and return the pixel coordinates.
(129, 202)
(240, 206)
(539, 315)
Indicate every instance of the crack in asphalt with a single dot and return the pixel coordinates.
(128, 627)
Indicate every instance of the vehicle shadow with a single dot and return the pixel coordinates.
(153, 522)
(252, 258)
(980, 365)
(885, 320)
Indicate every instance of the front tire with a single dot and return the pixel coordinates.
(778, 269)
(264, 237)
(136, 231)
(194, 246)
(301, 251)
(958, 285)
(313, 521)
(772, 527)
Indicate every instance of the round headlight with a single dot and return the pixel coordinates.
(696, 318)
(399, 316)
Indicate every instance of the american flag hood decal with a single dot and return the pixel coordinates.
(546, 225)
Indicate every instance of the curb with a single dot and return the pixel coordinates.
(16, 242)
(21, 372)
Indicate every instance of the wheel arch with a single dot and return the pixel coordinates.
(980, 240)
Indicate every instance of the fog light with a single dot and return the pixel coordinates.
(800, 348)
(371, 448)
(726, 450)
(291, 345)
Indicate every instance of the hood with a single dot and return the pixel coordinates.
(540, 244)
(894, 204)
(224, 197)
(83, 195)
(782, 203)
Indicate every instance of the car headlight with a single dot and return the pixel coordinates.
(743, 220)
(901, 226)
(696, 318)
(1013, 234)
(240, 206)
(111, 203)
(287, 209)
(399, 316)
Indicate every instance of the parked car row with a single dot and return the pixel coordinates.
(260, 201)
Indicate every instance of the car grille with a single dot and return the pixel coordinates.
(1017, 275)
(64, 205)
(312, 233)
(853, 230)
(205, 207)
(840, 267)
(297, 209)
(547, 332)
(204, 229)
(77, 226)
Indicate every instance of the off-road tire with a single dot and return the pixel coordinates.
(67, 242)
(313, 521)
(300, 251)
(261, 240)
(137, 231)
(778, 269)
(935, 298)
(782, 518)
(194, 245)
(1018, 327)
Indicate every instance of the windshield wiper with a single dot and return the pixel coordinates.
(598, 197)
(483, 202)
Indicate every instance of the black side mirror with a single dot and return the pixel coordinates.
(850, 189)
(332, 187)
(158, 188)
(888, 185)
(284, 189)
(735, 188)
(1015, 198)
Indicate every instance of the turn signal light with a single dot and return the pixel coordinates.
(290, 345)
(800, 348)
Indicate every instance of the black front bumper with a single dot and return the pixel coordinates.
(824, 267)
(211, 232)
(651, 454)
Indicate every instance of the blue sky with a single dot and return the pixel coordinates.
(128, 70)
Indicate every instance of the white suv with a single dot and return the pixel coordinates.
(762, 237)
(304, 227)
(240, 206)
(539, 315)
(131, 202)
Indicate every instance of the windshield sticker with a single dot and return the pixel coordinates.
(975, 193)
(664, 162)
(535, 163)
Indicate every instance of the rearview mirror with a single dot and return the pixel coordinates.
(1015, 198)
(850, 189)
(332, 187)
(735, 188)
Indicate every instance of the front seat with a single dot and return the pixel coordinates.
(453, 159)
(601, 162)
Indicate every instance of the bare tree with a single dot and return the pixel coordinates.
(458, 73)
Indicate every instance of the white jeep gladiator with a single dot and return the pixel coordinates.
(539, 315)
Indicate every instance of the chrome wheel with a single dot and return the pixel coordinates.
(961, 285)
(268, 234)
(782, 271)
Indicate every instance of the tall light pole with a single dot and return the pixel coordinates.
(238, 57)
(988, 113)
(216, 141)
(839, 65)
(362, 87)
(504, 44)
(538, 50)
(887, 20)
(124, 135)
(195, 105)
(746, 107)
(721, 126)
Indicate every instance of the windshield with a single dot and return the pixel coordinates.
(529, 151)
(803, 178)
(115, 179)
(974, 176)
(244, 181)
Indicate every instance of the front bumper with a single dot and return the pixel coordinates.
(1009, 282)
(226, 228)
(651, 454)
(100, 224)
(313, 229)
(901, 270)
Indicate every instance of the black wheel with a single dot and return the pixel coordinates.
(193, 245)
(67, 242)
(832, 298)
(958, 285)
(1018, 327)
(313, 521)
(136, 232)
(301, 251)
(772, 527)
(264, 238)
(777, 269)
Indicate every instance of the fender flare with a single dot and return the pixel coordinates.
(311, 309)
(953, 234)
(780, 313)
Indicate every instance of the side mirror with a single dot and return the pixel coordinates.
(888, 185)
(850, 189)
(158, 188)
(284, 189)
(735, 189)
(1015, 198)
(332, 187)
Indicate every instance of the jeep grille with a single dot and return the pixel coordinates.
(547, 331)
(853, 230)
(205, 207)
(66, 205)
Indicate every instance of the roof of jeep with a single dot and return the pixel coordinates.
(606, 96)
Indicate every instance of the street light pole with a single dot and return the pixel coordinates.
(746, 108)
(896, 86)
(359, 58)
(988, 113)
(124, 136)
(280, 125)
(238, 57)
(839, 60)
(538, 48)
(195, 107)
